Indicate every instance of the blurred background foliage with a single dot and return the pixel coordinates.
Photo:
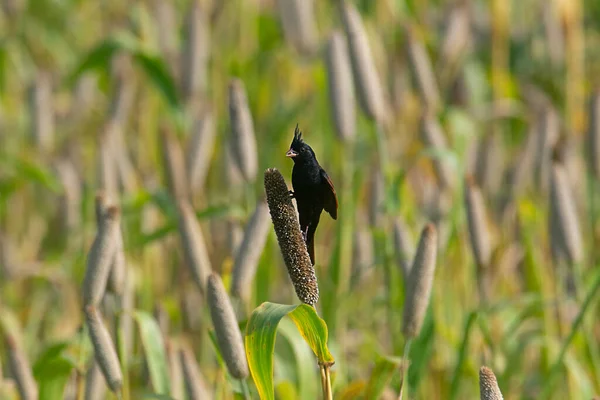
(515, 83)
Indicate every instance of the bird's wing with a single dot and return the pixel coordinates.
(331, 201)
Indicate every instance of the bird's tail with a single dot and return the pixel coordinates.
(310, 246)
(310, 243)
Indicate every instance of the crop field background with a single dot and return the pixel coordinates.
(138, 243)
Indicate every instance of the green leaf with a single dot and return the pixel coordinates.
(381, 375)
(159, 75)
(314, 330)
(48, 354)
(158, 234)
(286, 390)
(98, 58)
(52, 371)
(9, 185)
(3, 67)
(30, 171)
(152, 65)
(446, 155)
(260, 340)
(217, 211)
(154, 348)
(307, 379)
(354, 390)
(157, 396)
(421, 349)
(462, 354)
(10, 325)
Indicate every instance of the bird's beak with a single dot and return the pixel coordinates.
(291, 153)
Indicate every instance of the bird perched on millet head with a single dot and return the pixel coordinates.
(313, 190)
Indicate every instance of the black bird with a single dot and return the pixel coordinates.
(313, 190)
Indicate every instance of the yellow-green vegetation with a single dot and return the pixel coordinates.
(149, 247)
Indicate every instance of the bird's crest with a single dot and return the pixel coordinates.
(297, 142)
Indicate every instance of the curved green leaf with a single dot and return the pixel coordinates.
(314, 330)
(52, 371)
(25, 170)
(154, 348)
(100, 56)
(307, 379)
(54, 377)
(3, 67)
(159, 75)
(381, 376)
(157, 397)
(152, 65)
(462, 354)
(97, 58)
(260, 340)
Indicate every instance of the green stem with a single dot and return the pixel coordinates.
(403, 384)
(575, 327)
(245, 389)
(390, 288)
(326, 382)
(382, 151)
(81, 363)
(345, 236)
(593, 216)
(462, 354)
(122, 354)
(250, 198)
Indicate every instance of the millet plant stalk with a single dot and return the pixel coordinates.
(489, 161)
(227, 331)
(422, 70)
(594, 133)
(101, 257)
(418, 292)
(563, 212)
(479, 234)
(168, 40)
(299, 24)
(243, 139)
(404, 245)
(104, 349)
(42, 112)
(108, 179)
(433, 136)
(21, 369)
(194, 382)
(70, 201)
(289, 237)
(457, 37)
(250, 249)
(368, 85)
(294, 252)
(195, 52)
(200, 151)
(175, 369)
(488, 385)
(420, 281)
(340, 87)
(174, 161)
(548, 133)
(118, 271)
(95, 385)
(194, 247)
